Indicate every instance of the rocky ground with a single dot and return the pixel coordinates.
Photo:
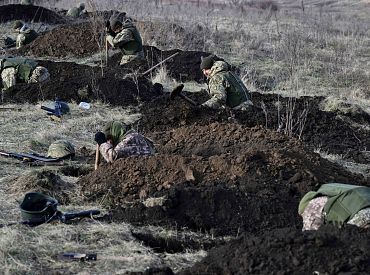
(222, 173)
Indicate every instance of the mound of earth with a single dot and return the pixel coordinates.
(29, 13)
(72, 82)
(328, 251)
(43, 181)
(207, 174)
(77, 40)
(342, 134)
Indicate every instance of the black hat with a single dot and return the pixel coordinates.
(207, 62)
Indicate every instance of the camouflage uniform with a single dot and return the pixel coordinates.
(225, 87)
(361, 219)
(18, 69)
(312, 215)
(132, 144)
(61, 149)
(76, 11)
(25, 36)
(129, 41)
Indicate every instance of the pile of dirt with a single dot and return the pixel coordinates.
(43, 181)
(29, 13)
(73, 82)
(206, 174)
(342, 134)
(328, 251)
(77, 40)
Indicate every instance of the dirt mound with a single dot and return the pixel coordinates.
(342, 134)
(70, 81)
(327, 251)
(204, 171)
(78, 40)
(45, 182)
(29, 13)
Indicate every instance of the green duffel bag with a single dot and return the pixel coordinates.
(38, 207)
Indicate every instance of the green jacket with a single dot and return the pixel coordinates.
(225, 87)
(116, 130)
(128, 40)
(344, 201)
(23, 66)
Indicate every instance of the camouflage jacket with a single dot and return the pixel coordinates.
(225, 87)
(132, 144)
(23, 66)
(25, 36)
(128, 40)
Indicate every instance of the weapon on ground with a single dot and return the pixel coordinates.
(29, 157)
(160, 63)
(177, 92)
(62, 217)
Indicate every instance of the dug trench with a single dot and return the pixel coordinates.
(221, 178)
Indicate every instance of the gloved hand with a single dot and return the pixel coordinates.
(100, 138)
(109, 29)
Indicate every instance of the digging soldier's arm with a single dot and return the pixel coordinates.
(107, 151)
(120, 38)
(217, 92)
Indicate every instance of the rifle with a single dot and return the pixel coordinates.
(62, 217)
(29, 157)
(60, 108)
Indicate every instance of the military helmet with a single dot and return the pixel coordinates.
(61, 149)
(18, 24)
(37, 206)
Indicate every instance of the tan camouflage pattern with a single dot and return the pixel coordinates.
(39, 74)
(126, 58)
(132, 144)
(361, 219)
(61, 149)
(312, 215)
(25, 36)
(8, 77)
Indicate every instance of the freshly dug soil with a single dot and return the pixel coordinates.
(70, 81)
(215, 177)
(29, 13)
(331, 132)
(328, 251)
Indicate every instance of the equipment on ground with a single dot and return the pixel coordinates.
(29, 157)
(178, 92)
(82, 257)
(60, 108)
(37, 208)
(160, 63)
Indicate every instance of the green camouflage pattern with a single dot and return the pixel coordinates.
(312, 215)
(133, 144)
(74, 12)
(61, 149)
(23, 67)
(225, 88)
(25, 37)
(116, 130)
(129, 41)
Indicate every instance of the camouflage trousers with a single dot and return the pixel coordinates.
(8, 77)
(126, 58)
(132, 144)
(312, 215)
(20, 40)
(361, 219)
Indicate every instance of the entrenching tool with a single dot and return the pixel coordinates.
(178, 92)
(160, 63)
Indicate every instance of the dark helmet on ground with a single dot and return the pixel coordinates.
(37, 206)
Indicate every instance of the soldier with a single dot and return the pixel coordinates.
(132, 143)
(126, 37)
(25, 34)
(76, 11)
(61, 149)
(224, 87)
(337, 204)
(19, 69)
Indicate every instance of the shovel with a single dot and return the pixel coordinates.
(177, 92)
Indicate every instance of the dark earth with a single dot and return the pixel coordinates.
(221, 172)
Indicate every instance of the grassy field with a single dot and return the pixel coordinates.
(318, 48)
